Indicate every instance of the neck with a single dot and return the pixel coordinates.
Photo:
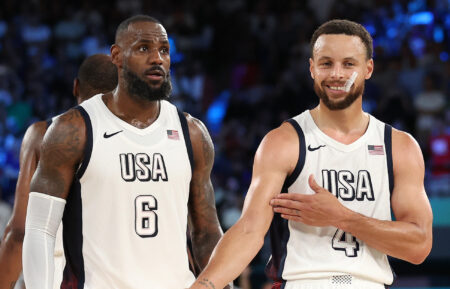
(140, 113)
(345, 125)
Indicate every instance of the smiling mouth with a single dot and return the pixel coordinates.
(336, 88)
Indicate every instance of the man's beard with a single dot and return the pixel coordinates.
(140, 89)
(339, 105)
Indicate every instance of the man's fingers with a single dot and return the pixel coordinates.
(286, 211)
(313, 184)
(292, 218)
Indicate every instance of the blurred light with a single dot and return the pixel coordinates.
(216, 111)
(3, 28)
(447, 21)
(417, 46)
(391, 32)
(416, 5)
(439, 147)
(175, 57)
(443, 56)
(421, 18)
(438, 34)
(370, 28)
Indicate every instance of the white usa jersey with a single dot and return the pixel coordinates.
(125, 219)
(360, 176)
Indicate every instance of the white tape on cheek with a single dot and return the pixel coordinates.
(350, 81)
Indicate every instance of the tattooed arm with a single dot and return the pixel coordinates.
(61, 152)
(11, 245)
(203, 221)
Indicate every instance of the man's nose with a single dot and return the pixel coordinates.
(337, 72)
(155, 57)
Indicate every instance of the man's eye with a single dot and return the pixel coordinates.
(143, 48)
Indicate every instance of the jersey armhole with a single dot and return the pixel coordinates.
(388, 146)
(301, 155)
(89, 142)
(187, 138)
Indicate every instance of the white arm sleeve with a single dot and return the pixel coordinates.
(44, 214)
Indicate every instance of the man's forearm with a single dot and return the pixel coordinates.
(399, 239)
(10, 259)
(232, 255)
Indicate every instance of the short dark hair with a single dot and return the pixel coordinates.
(341, 26)
(123, 26)
(97, 74)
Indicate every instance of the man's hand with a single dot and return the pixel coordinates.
(319, 209)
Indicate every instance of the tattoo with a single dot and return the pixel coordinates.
(208, 148)
(63, 145)
(203, 221)
(207, 283)
(61, 152)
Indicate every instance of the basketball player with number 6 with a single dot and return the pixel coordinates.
(126, 171)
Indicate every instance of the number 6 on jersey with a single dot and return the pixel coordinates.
(146, 221)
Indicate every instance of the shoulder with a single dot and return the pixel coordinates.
(66, 136)
(69, 120)
(202, 144)
(36, 131)
(197, 128)
(405, 150)
(32, 139)
(279, 147)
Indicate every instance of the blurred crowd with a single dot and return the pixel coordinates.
(241, 66)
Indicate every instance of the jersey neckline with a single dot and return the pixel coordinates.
(336, 144)
(140, 131)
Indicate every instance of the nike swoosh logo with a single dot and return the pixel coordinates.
(314, 149)
(105, 135)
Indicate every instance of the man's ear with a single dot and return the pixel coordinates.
(370, 67)
(76, 87)
(311, 67)
(116, 55)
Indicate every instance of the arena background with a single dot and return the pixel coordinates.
(242, 67)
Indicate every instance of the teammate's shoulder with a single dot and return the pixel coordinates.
(285, 134)
(405, 148)
(72, 116)
(37, 128)
(196, 126)
(279, 141)
(403, 139)
(34, 135)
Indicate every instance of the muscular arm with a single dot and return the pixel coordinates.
(11, 245)
(240, 244)
(203, 223)
(409, 237)
(61, 153)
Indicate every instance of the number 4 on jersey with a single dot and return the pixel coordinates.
(146, 222)
(346, 242)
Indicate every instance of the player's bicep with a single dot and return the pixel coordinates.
(202, 210)
(409, 199)
(273, 162)
(61, 152)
